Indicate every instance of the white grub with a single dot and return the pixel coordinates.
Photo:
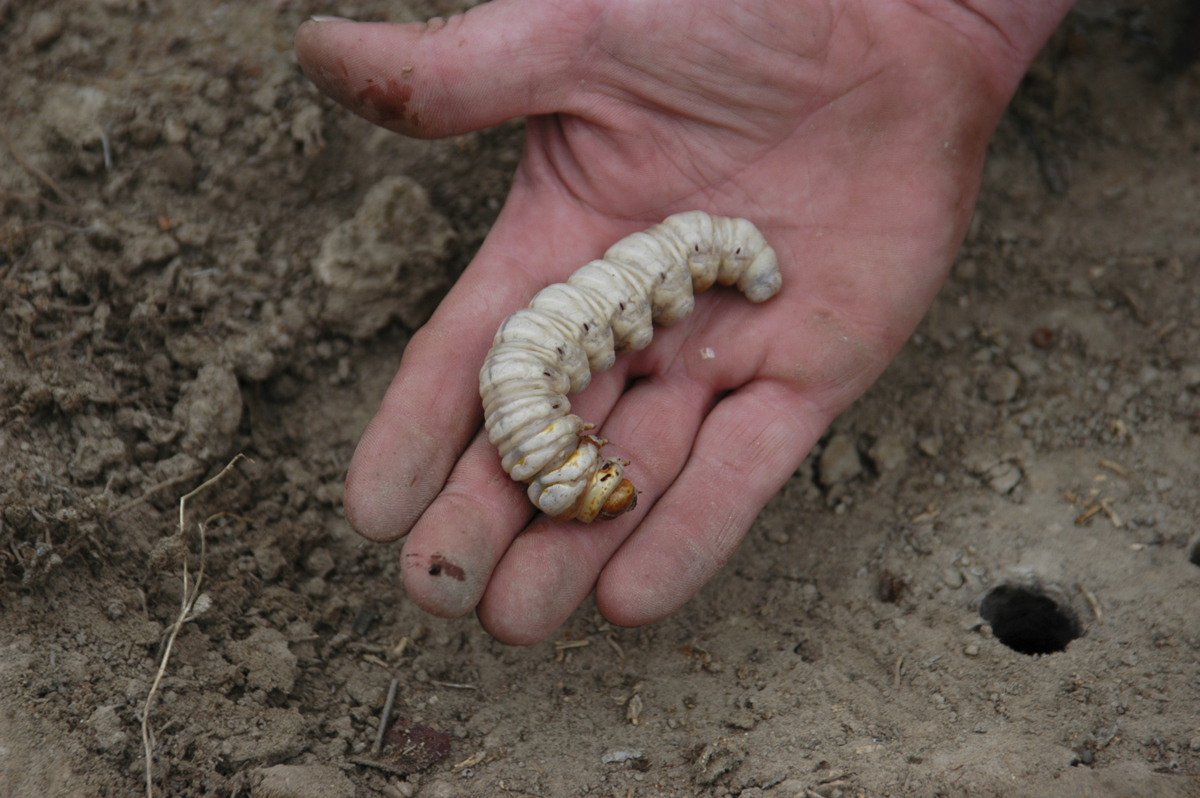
(571, 330)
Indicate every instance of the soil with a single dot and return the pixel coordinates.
(983, 581)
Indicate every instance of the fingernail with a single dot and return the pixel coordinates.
(325, 18)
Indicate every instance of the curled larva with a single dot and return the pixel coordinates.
(572, 329)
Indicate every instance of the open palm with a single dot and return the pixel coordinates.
(851, 134)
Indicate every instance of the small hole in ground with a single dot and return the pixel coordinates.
(1028, 621)
(1194, 552)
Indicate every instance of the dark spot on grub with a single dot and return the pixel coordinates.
(439, 564)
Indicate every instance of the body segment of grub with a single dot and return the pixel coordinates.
(571, 330)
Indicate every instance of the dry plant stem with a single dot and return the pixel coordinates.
(190, 594)
(385, 717)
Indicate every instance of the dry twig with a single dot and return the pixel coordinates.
(191, 592)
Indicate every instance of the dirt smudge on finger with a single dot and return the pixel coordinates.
(385, 103)
(439, 565)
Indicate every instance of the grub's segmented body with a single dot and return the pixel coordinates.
(573, 329)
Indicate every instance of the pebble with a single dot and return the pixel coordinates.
(1003, 477)
(839, 461)
(301, 781)
(1002, 385)
(791, 788)
(1028, 366)
(438, 789)
(193, 234)
(930, 445)
(151, 250)
(44, 28)
(319, 562)
(952, 578)
(621, 755)
(174, 131)
(889, 452)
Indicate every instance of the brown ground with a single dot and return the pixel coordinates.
(174, 305)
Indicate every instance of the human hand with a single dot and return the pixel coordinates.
(851, 134)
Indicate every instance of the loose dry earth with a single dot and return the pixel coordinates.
(200, 255)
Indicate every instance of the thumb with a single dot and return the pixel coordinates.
(500, 60)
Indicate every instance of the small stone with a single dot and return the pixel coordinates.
(790, 788)
(621, 755)
(270, 562)
(152, 250)
(722, 756)
(174, 131)
(1002, 385)
(1194, 744)
(193, 234)
(971, 650)
(439, 789)
(315, 587)
(44, 28)
(1028, 366)
(319, 562)
(102, 235)
(742, 719)
(1190, 375)
(300, 781)
(839, 461)
(952, 578)
(930, 445)
(633, 710)
(889, 452)
(1003, 477)
(777, 536)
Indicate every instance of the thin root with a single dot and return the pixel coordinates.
(190, 594)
